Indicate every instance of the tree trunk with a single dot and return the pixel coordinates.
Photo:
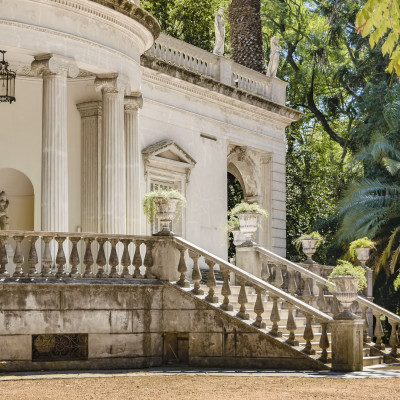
(246, 34)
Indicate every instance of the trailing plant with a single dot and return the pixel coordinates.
(233, 223)
(345, 268)
(149, 204)
(313, 235)
(244, 207)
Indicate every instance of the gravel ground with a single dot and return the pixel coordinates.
(181, 387)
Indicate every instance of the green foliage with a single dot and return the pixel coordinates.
(345, 268)
(396, 283)
(233, 223)
(235, 196)
(189, 20)
(149, 204)
(244, 207)
(380, 20)
(359, 243)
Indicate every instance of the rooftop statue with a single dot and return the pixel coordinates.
(219, 33)
(3, 212)
(274, 57)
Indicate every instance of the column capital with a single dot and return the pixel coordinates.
(133, 102)
(90, 109)
(51, 64)
(266, 158)
(112, 83)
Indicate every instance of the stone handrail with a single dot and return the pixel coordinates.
(222, 69)
(260, 286)
(363, 303)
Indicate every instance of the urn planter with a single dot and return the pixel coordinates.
(248, 226)
(363, 254)
(238, 237)
(309, 249)
(346, 293)
(166, 209)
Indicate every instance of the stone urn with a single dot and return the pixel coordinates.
(363, 254)
(309, 249)
(238, 237)
(346, 292)
(166, 209)
(248, 226)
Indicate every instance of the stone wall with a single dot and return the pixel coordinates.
(134, 325)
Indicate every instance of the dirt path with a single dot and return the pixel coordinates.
(201, 388)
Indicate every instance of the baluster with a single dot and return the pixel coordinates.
(74, 258)
(148, 259)
(242, 300)
(33, 257)
(101, 258)
(291, 326)
(18, 257)
(226, 290)
(126, 260)
(211, 283)
(259, 309)
(292, 286)
(60, 257)
(394, 339)
(275, 317)
(335, 306)
(324, 342)
(378, 332)
(113, 259)
(196, 275)
(137, 259)
(182, 268)
(3, 257)
(88, 258)
(278, 278)
(265, 273)
(308, 335)
(307, 293)
(321, 303)
(46, 259)
(366, 338)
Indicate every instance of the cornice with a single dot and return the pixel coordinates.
(194, 83)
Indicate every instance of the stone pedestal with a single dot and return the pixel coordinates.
(248, 259)
(347, 345)
(113, 160)
(133, 164)
(54, 70)
(166, 259)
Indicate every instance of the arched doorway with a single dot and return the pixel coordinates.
(19, 191)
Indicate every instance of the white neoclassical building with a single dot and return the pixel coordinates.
(107, 108)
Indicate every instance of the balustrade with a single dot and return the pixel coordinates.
(70, 256)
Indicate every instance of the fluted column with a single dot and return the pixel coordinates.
(113, 160)
(133, 195)
(55, 70)
(90, 185)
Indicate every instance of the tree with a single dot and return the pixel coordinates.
(189, 20)
(381, 20)
(246, 34)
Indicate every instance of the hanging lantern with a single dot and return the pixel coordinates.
(7, 82)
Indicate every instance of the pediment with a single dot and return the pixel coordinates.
(168, 150)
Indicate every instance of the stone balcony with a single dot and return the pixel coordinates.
(187, 62)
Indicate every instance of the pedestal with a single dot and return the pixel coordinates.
(347, 345)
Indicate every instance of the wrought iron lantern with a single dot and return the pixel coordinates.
(7, 82)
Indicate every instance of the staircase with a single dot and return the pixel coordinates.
(300, 320)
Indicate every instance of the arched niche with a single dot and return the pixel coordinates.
(19, 192)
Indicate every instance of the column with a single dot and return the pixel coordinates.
(90, 186)
(113, 164)
(133, 195)
(54, 206)
(266, 163)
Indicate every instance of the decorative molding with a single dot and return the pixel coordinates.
(90, 109)
(153, 158)
(51, 64)
(112, 83)
(133, 102)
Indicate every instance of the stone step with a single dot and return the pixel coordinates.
(372, 360)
